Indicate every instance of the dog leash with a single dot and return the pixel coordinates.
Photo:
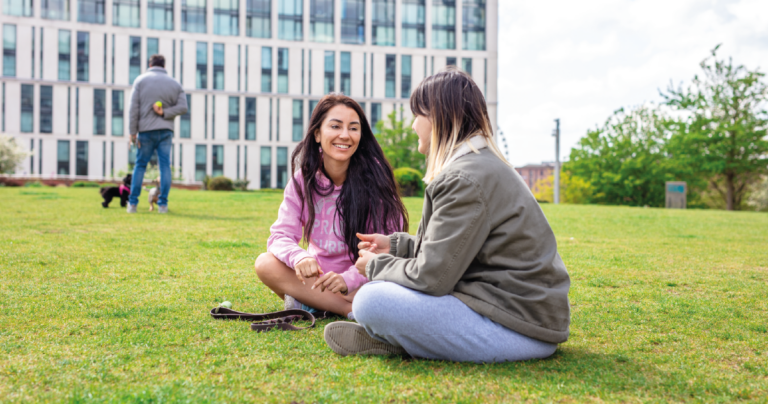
(282, 320)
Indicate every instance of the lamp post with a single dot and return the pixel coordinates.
(556, 134)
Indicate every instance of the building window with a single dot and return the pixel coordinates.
(91, 11)
(46, 109)
(258, 17)
(330, 66)
(414, 24)
(99, 111)
(250, 118)
(218, 66)
(282, 70)
(200, 162)
(134, 68)
(282, 167)
(193, 16)
(125, 13)
(290, 15)
(160, 14)
(226, 17)
(152, 48)
(27, 107)
(21, 8)
(55, 9)
(353, 22)
(81, 158)
(444, 24)
(450, 61)
(185, 124)
(83, 45)
(234, 118)
(405, 76)
(266, 167)
(298, 120)
(65, 55)
(9, 50)
(375, 116)
(201, 76)
(383, 22)
(473, 25)
(118, 108)
(391, 69)
(346, 67)
(466, 65)
(217, 162)
(62, 157)
(266, 69)
(312, 105)
(321, 20)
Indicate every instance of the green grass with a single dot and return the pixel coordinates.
(100, 306)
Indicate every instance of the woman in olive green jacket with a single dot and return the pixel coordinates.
(482, 280)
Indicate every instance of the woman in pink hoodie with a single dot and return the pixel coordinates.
(342, 185)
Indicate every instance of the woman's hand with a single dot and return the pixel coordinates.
(366, 240)
(307, 268)
(331, 281)
(365, 256)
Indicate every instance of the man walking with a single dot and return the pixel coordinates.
(156, 100)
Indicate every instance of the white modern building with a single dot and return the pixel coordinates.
(253, 70)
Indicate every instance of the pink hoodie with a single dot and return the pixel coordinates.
(326, 245)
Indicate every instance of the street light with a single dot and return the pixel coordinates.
(556, 134)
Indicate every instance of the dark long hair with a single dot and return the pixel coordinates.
(369, 200)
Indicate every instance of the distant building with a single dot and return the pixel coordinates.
(532, 173)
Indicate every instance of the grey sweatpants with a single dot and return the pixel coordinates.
(439, 327)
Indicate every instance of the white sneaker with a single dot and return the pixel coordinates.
(131, 208)
(162, 209)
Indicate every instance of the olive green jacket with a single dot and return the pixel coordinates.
(484, 239)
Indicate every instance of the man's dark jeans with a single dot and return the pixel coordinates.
(160, 140)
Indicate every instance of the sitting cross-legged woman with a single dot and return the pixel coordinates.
(482, 280)
(342, 185)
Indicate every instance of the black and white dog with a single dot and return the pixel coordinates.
(122, 192)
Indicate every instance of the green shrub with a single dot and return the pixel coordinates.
(241, 185)
(409, 181)
(85, 184)
(220, 184)
(34, 184)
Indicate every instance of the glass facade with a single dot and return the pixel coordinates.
(353, 22)
(83, 50)
(289, 15)
(282, 167)
(185, 123)
(375, 116)
(282, 70)
(473, 25)
(9, 50)
(118, 113)
(99, 111)
(321, 20)
(160, 14)
(201, 70)
(62, 157)
(414, 24)
(383, 22)
(125, 13)
(91, 11)
(46, 109)
(444, 24)
(153, 47)
(266, 69)
(250, 118)
(234, 118)
(54, 9)
(226, 17)
(27, 108)
(218, 66)
(134, 61)
(391, 69)
(266, 167)
(217, 161)
(193, 16)
(345, 73)
(20, 8)
(81, 158)
(405, 76)
(329, 85)
(200, 162)
(466, 65)
(297, 130)
(258, 18)
(65, 55)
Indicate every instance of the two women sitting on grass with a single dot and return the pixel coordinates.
(481, 281)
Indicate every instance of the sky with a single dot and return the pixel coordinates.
(582, 60)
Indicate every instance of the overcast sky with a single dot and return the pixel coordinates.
(581, 60)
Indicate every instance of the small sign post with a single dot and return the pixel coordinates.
(677, 192)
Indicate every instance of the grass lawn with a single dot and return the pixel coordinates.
(100, 306)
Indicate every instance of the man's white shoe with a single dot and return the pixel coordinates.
(131, 208)
(162, 209)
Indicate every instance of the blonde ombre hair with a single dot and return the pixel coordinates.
(456, 107)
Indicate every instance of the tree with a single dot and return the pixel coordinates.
(399, 143)
(11, 154)
(723, 135)
(573, 189)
